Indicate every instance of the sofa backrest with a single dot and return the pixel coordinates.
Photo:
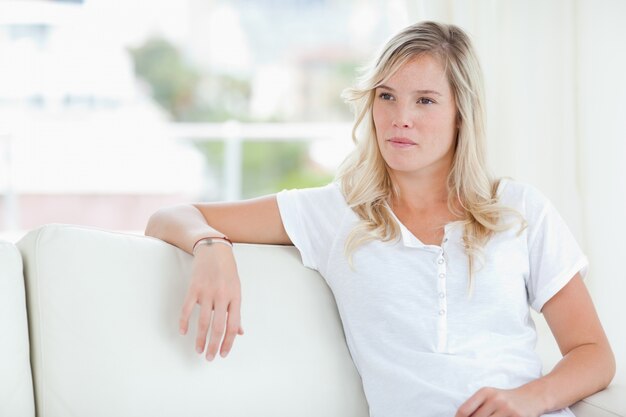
(103, 315)
(16, 388)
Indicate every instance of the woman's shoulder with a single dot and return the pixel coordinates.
(324, 196)
(521, 196)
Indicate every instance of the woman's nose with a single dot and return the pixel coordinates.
(402, 118)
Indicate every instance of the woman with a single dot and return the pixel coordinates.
(433, 263)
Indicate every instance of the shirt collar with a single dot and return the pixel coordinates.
(408, 238)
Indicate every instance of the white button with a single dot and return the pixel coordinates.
(441, 295)
(442, 312)
(440, 261)
(442, 275)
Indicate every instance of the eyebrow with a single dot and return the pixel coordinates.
(415, 91)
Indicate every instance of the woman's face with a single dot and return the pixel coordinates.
(414, 114)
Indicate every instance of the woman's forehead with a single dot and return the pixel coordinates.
(419, 72)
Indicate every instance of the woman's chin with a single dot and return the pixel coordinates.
(405, 168)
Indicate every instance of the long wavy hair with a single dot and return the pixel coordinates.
(364, 176)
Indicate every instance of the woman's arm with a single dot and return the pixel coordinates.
(588, 363)
(250, 221)
(587, 366)
(215, 282)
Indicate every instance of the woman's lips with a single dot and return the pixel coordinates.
(401, 142)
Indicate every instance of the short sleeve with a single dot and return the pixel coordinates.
(311, 217)
(555, 256)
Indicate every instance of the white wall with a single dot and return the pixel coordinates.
(601, 112)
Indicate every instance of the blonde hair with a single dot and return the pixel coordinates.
(365, 181)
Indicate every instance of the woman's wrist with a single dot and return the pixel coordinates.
(215, 254)
(537, 396)
(211, 240)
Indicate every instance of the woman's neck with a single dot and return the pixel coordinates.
(419, 193)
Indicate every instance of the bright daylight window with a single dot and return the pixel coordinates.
(110, 110)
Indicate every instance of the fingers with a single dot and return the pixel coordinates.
(189, 303)
(212, 323)
(233, 327)
(217, 330)
(472, 404)
(203, 325)
(493, 402)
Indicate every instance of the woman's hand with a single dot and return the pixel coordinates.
(216, 288)
(495, 402)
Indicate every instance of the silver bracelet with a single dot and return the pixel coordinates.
(209, 241)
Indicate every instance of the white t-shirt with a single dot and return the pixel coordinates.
(421, 345)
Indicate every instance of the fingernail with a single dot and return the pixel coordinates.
(181, 330)
(224, 354)
(199, 349)
(209, 357)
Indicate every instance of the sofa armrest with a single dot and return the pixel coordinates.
(16, 386)
(610, 402)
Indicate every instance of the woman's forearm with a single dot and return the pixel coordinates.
(582, 372)
(181, 226)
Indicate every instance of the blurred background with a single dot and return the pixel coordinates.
(110, 109)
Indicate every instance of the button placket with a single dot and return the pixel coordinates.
(442, 325)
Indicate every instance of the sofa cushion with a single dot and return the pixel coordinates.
(16, 387)
(104, 310)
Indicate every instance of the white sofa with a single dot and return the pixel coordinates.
(99, 316)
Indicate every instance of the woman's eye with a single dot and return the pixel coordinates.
(385, 96)
(425, 100)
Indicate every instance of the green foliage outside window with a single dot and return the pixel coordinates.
(176, 85)
(269, 166)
